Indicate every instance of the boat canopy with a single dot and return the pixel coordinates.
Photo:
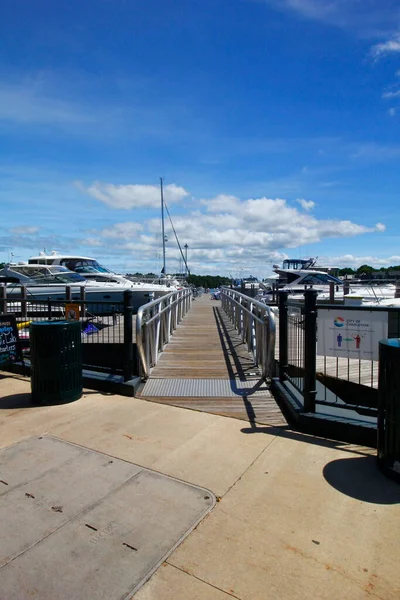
(297, 263)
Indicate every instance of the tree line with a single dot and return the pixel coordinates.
(367, 270)
(208, 281)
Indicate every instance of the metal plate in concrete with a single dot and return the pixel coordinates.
(28, 460)
(94, 528)
(51, 496)
(204, 388)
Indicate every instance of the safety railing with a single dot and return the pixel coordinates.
(332, 367)
(255, 322)
(155, 323)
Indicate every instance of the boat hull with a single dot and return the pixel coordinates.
(97, 302)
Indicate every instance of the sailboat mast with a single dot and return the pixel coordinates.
(162, 225)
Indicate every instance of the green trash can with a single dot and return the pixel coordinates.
(389, 408)
(56, 361)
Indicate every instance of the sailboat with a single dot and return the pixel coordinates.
(165, 239)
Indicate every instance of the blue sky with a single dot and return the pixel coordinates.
(275, 124)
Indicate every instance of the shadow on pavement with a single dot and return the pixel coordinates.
(290, 434)
(17, 401)
(361, 478)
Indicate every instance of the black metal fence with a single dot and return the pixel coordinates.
(329, 385)
(107, 336)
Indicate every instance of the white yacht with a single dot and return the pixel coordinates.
(84, 265)
(297, 275)
(50, 281)
(89, 268)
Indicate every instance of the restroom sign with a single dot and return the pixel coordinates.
(72, 312)
(351, 333)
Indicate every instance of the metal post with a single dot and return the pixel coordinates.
(128, 335)
(49, 308)
(331, 293)
(24, 297)
(3, 299)
(164, 271)
(186, 265)
(68, 293)
(310, 350)
(283, 335)
(82, 301)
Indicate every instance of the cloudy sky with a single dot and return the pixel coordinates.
(274, 123)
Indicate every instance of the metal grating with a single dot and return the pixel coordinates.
(79, 524)
(204, 388)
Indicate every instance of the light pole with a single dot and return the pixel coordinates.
(186, 267)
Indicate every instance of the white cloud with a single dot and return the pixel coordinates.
(354, 261)
(364, 17)
(306, 204)
(24, 230)
(133, 195)
(374, 153)
(391, 46)
(389, 95)
(223, 233)
(221, 203)
(230, 232)
(26, 103)
(122, 230)
(392, 112)
(92, 242)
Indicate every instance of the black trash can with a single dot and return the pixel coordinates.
(389, 408)
(56, 361)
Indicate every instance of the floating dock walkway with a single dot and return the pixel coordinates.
(206, 367)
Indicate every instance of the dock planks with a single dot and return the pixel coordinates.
(206, 346)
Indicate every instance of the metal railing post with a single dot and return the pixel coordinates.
(255, 324)
(283, 335)
(310, 350)
(331, 293)
(48, 308)
(3, 299)
(128, 335)
(155, 324)
(24, 297)
(82, 300)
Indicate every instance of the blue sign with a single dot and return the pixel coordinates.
(10, 350)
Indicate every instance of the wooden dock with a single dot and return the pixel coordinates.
(206, 367)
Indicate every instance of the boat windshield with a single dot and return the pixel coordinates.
(43, 274)
(296, 263)
(83, 265)
(320, 279)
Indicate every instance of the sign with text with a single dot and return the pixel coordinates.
(10, 350)
(72, 312)
(351, 333)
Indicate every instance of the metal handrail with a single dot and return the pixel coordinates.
(255, 322)
(155, 323)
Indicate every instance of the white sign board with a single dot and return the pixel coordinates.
(351, 333)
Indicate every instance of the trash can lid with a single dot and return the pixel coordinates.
(52, 323)
(392, 342)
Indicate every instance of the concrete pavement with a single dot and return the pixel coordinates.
(298, 517)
